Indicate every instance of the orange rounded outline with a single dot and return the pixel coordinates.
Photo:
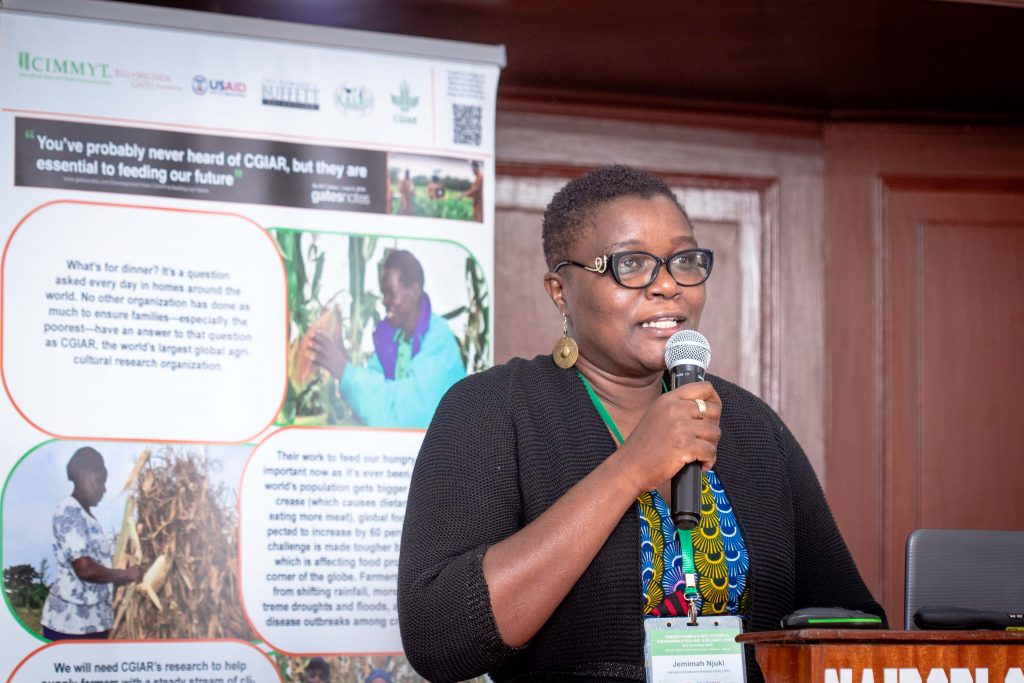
(101, 643)
(3, 501)
(241, 519)
(3, 273)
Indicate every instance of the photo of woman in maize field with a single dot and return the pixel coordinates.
(381, 327)
(158, 559)
(435, 187)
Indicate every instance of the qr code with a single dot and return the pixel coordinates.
(466, 120)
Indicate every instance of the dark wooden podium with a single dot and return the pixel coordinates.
(844, 656)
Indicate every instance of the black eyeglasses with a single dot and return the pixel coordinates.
(638, 269)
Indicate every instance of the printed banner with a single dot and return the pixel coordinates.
(238, 275)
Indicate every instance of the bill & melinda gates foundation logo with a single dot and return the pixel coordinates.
(42, 66)
(292, 94)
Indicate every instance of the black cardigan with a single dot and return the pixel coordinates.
(507, 443)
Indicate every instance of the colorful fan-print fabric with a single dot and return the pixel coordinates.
(719, 555)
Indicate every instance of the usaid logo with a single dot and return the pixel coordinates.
(201, 85)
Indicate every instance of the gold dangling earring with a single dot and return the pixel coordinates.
(565, 352)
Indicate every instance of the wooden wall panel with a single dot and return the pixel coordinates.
(722, 321)
(526, 322)
(972, 372)
(954, 380)
(898, 200)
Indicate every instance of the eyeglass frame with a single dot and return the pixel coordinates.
(601, 266)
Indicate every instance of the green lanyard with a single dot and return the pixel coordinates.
(685, 539)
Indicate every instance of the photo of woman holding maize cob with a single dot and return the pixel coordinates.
(416, 357)
(157, 560)
(80, 602)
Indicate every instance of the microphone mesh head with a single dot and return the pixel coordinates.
(689, 347)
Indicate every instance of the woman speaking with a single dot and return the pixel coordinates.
(537, 537)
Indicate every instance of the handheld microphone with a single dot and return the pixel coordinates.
(687, 356)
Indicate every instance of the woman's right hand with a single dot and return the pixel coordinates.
(530, 572)
(133, 574)
(328, 355)
(670, 435)
(89, 570)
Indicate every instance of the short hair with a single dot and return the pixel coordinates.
(84, 460)
(319, 664)
(567, 215)
(410, 272)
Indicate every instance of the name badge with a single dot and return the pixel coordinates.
(678, 652)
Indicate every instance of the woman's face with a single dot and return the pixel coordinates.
(624, 331)
(92, 485)
(401, 301)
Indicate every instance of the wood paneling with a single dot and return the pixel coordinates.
(526, 322)
(862, 655)
(954, 315)
(902, 204)
(813, 60)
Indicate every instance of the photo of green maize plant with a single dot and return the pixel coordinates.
(434, 196)
(331, 290)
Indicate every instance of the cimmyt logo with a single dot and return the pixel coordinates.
(62, 69)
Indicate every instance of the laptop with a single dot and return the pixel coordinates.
(982, 571)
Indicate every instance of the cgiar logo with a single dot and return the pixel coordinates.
(353, 99)
(406, 102)
(201, 85)
(55, 68)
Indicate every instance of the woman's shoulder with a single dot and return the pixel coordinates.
(507, 383)
(69, 505)
(70, 516)
(515, 371)
(741, 405)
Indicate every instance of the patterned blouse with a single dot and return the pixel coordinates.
(719, 554)
(75, 606)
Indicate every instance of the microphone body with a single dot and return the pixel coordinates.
(687, 355)
(685, 503)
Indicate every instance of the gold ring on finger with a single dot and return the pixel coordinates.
(702, 407)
